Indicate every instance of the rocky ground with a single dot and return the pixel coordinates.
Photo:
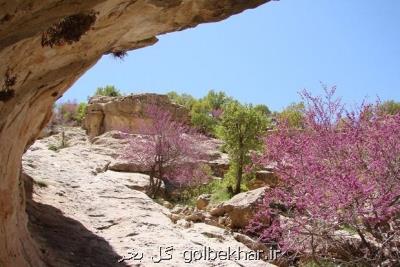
(85, 214)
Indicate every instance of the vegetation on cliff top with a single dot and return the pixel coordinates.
(108, 90)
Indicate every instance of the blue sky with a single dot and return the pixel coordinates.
(268, 54)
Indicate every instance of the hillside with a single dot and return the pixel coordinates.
(86, 215)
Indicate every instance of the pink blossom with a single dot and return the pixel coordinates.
(342, 170)
(168, 150)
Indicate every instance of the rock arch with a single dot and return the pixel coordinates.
(45, 46)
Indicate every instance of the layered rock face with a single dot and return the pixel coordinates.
(86, 215)
(127, 113)
(45, 46)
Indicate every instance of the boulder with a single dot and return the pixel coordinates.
(167, 204)
(220, 166)
(127, 113)
(120, 165)
(196, 216)
(175, 217)
(203, 201)
(177, 209)
(183, 223)
(263, 178)
(252, 244)
(216, 159)
(241, 208)
(219, 210)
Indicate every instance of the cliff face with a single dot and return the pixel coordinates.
(85, 214)
(127, 113)
(45, 46)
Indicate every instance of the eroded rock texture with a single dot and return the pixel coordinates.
(127, 113)
(86, 215)
(45, 45)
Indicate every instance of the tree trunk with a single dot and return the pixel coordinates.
(239, 172)
(150, 190)
(155, 186)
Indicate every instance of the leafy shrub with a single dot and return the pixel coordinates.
(263, 109)
(202, 119)
(217, 188)
(81, 112)
(390, 107)
(185, 100)
(119, 54)
(109, 90)
(205, 112)
(63, 143)
(53, 147)
(293, 115)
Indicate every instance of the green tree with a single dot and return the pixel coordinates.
(205, 113)
(185, 100)
(293, 115)
(81, 112)
(202, 119)
(263, 109)
(216, 100)
(108, 90)
(390, 107)
(241, 127)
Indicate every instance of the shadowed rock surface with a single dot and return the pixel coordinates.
(83, 215)
(45, 46)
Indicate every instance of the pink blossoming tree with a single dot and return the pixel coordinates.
(168, 150)
(339, 190)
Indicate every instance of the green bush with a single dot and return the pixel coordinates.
(293, 114)
(81, 112)
(185, 100)
(63, 143)
(109, 90)
(219, 191)
(205, 112)
(390, 107)
(202, 119)
(217, 188)
(53, 147)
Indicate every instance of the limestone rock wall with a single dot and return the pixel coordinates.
(45, 46)
(127, 113)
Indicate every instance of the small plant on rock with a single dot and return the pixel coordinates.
(63, 143)
(119, 54)
(53, 147)
(7, 92)
(69, 30)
